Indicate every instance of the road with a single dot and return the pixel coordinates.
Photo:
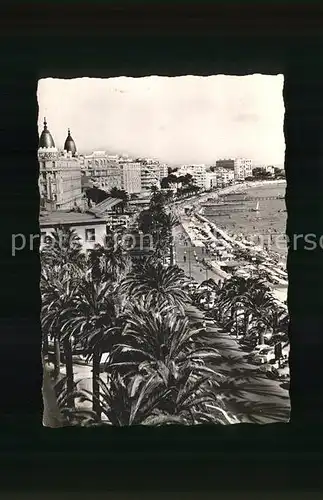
(248, 394)
(192, 267)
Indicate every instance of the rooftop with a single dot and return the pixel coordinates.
(105, 206)
(68, 218)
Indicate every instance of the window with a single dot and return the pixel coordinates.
(89, 234)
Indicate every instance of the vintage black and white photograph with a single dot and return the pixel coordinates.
(163, 250)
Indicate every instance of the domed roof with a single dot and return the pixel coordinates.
(46, 140)
(69, 145)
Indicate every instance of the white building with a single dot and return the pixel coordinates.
(105, 173)
(224, 176)
(210, 180)
(163, 170)
(131, 176)
(89, 228)
(242, 168)
(198, 172)
(150, 174)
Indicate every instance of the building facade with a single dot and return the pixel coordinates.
(242, 168)
(224, 177)
(90, 229)
(130, 176)
(150, 174)
(226, 163)
(198, 172)
(59, 174)
(270, 169)
(210, 180)
(105, 173)
(163, 170)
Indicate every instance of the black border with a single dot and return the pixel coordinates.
(70, 40)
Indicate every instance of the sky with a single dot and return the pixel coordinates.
(187, 119)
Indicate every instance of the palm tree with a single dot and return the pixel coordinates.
(159, 338)
(52, 414)
(157, 284)
(133, 402)
(108, 262)
(64, 250)
(57, 301)
(279, 323)
(259, 305)
(95, 311)
(237, 295)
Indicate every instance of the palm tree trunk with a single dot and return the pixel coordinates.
(95, 381)
(171, 251)
(57, 358)
(45, 344)
(52, 416)
(278, 351)
(246, 322)
(69, 371)
(261, 338)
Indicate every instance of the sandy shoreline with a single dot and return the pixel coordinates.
(265, 228)
(279, 292)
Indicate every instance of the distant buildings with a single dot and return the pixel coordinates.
(130, 176)
(103, 170)
(198, 172)
(242, 167)
(270, 169)
(163, 170)
(150, 173)
(227, 164)
(224, 177)
(211, 180)
(59, 173)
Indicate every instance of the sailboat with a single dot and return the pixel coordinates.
(257, 208)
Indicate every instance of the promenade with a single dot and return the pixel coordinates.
(185, 258)
(249, 394)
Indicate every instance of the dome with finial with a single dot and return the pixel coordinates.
(69, 145)
(46, 140)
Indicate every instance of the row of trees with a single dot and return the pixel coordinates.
(261, 173)
(159, 365)
(183, 184)
(247, 307)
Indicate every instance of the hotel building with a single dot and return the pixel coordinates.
(104, 173)
(59, 174)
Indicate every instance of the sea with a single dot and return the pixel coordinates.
(265, 227)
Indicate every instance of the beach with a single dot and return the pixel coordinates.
(266, 226)
(238, 227)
